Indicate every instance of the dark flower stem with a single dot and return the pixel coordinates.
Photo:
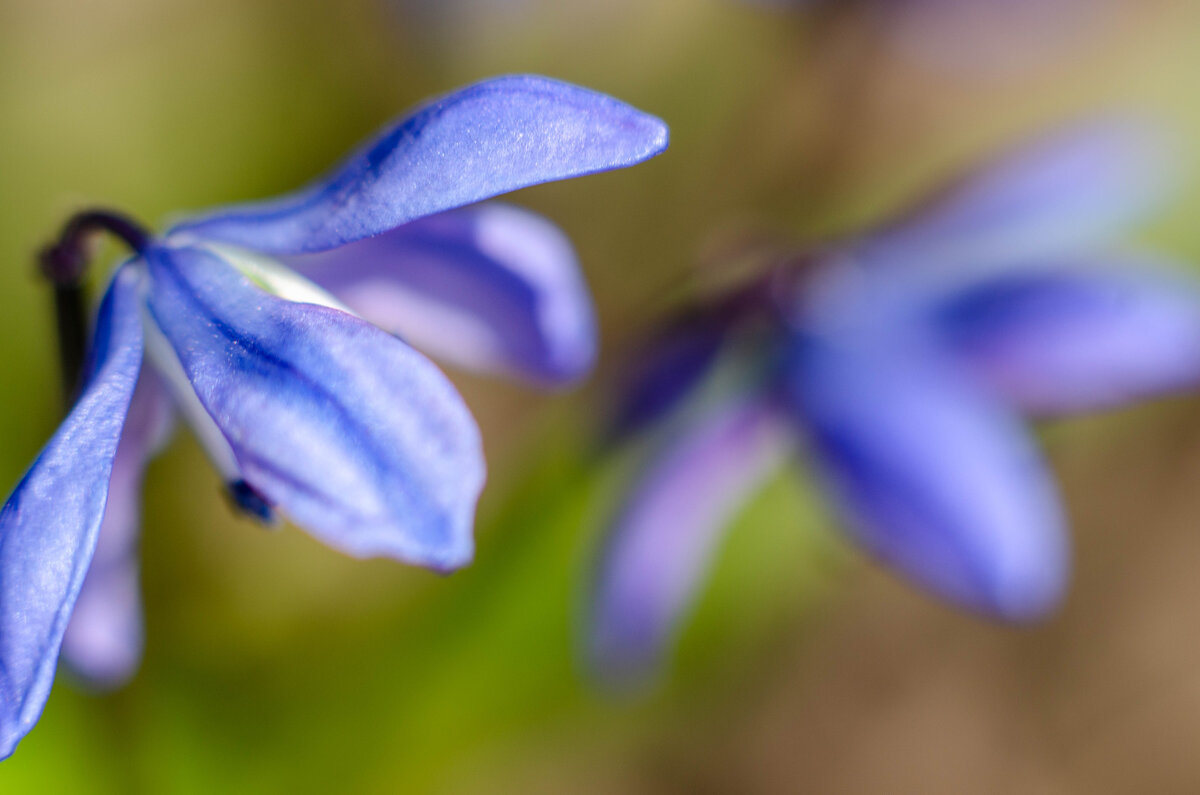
(64, 264)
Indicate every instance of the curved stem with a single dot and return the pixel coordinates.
(64, 264)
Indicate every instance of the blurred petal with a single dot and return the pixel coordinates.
(103, 643)
(484, 140)
(666, 370)
(1064, 193)
(490, 287)
(49, 525)
(1079, 338)
(930, 475)
(353, 434)
(662, 544)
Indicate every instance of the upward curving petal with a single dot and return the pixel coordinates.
(348, 430)
(490, 287)
(1073, 338)
(661, 545)
(484, 140)
(1064, 193)
(49, 525)
(103, 643)
(930, 474)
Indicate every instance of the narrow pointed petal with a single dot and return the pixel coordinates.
(344, 427)
(662, 544)
(484, 140)
(103, 643)
(1068, 339)
(1065, 193)
(49, 525)
(489, 287)
(930, 475)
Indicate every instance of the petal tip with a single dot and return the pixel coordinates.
(568, 367)
(656, 135)
(12, 731)
(1035, 597)
(458, 557)
(649, 135)
(661, 138)
(442, 551)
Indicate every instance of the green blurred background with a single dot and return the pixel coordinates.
(276, 665)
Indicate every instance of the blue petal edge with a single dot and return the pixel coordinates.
(484, 140)
(103, 642)
(49, 526)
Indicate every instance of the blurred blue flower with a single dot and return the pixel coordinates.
(903, 361)
(304, 406)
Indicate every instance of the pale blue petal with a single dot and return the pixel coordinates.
(930, 474)
(344, 427)
(103, 643)
(1067, 192)
(484, 140)
(661, 545)
(1076, 338)
(49, 525)
(490, 287)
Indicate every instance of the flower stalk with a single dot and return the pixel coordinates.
(64, 264)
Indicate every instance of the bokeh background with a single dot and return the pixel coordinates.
(276, 665)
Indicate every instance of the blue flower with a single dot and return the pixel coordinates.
(305, 407)
(903, 362)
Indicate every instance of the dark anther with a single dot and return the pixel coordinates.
(248, 501)
(64, 264)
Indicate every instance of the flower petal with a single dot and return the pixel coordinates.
(663, 541)
(103, 643)
(490, 287)
(355, 435)
(1064, 193)
(1082, 337)
(484, 140)
(49, 525)
(668, 368)
(930, 475)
